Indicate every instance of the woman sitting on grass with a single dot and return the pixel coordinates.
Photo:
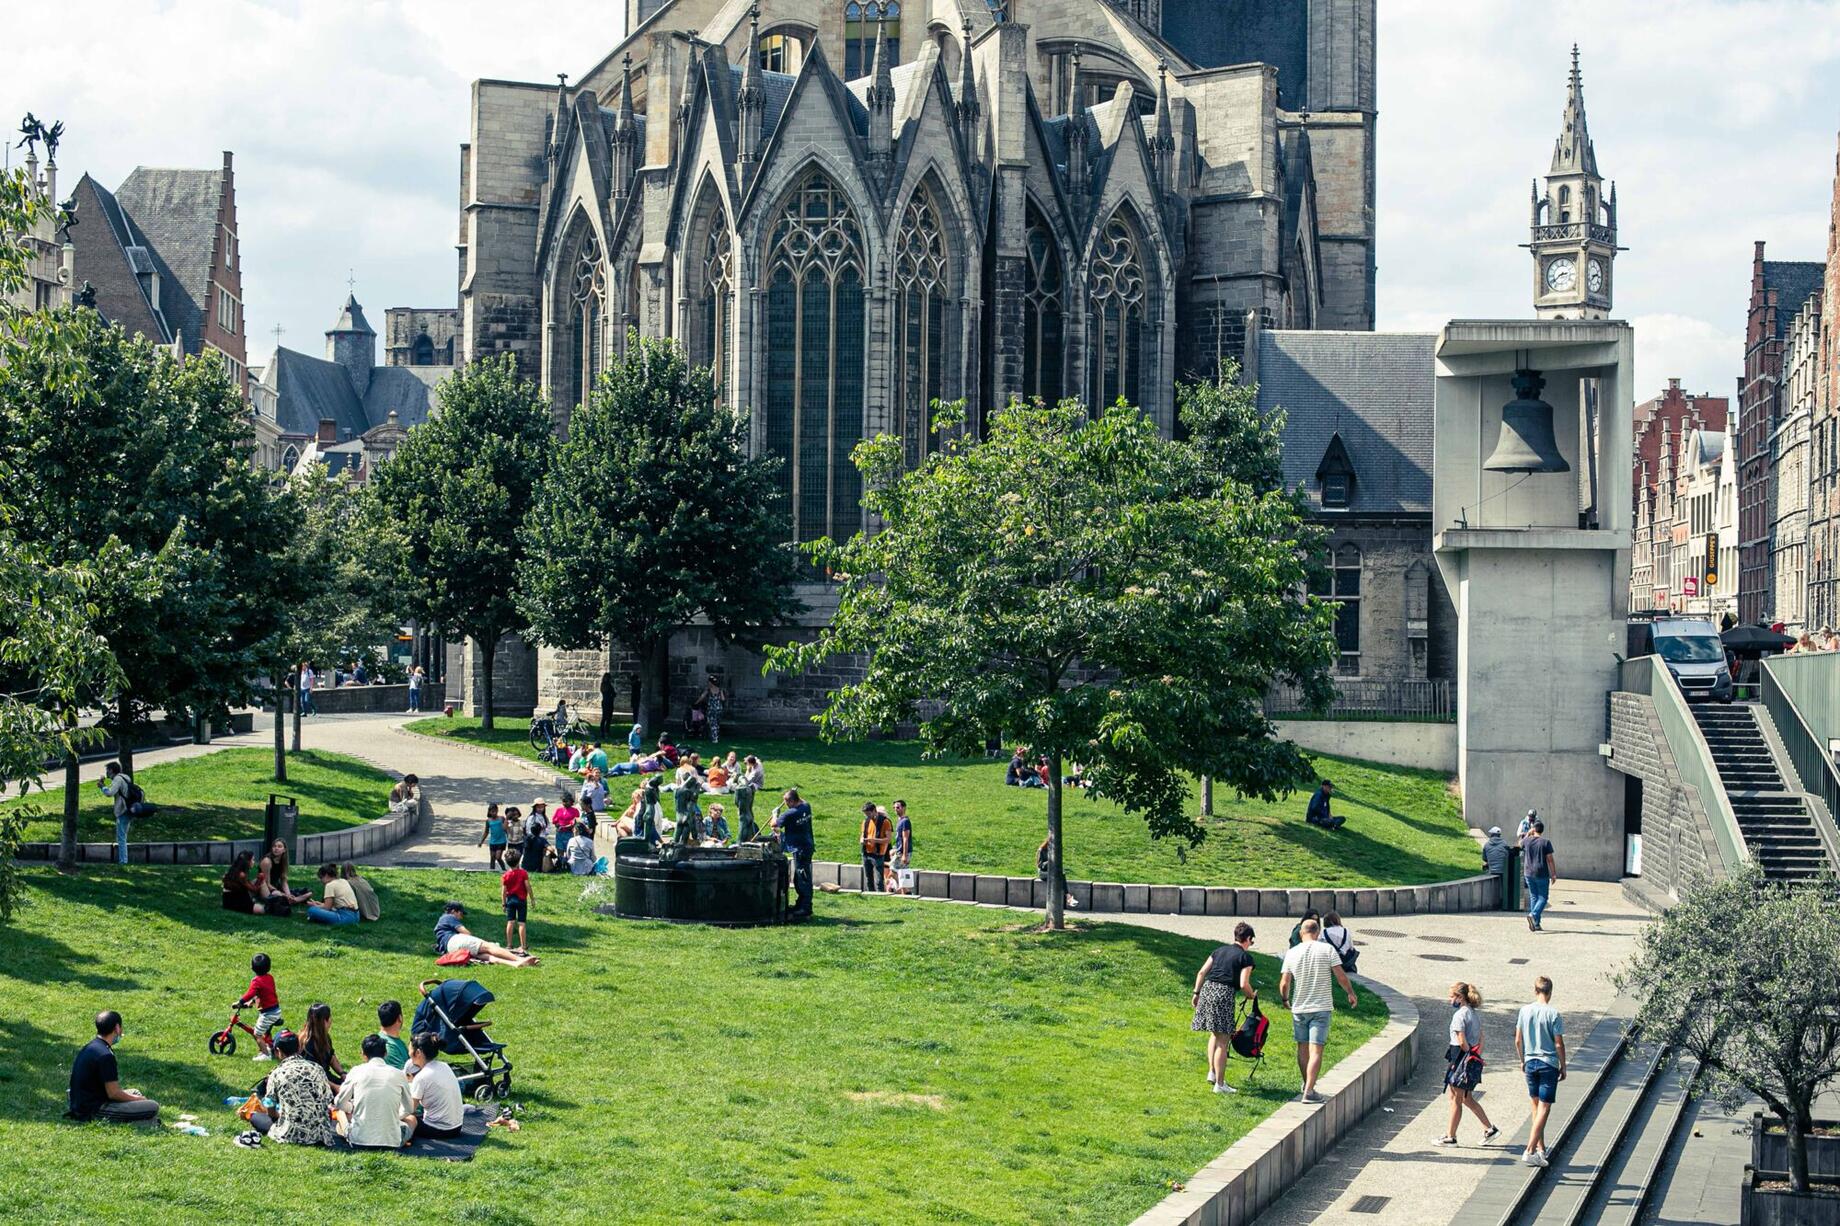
(239, 891)
(272, 880)
(318, 1047)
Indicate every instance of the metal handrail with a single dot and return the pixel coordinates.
(1814, 767)
(1692, 755)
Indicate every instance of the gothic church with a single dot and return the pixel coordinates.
(849, 209)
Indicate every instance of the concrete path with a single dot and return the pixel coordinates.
(1390, 1158)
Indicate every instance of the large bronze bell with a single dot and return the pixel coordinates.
(1526, 444)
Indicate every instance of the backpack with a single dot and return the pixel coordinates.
(1249, 1036)
(1350, 956)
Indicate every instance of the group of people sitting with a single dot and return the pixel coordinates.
(1823, 639)
(263, 889)
(1022, 772)
(686, 776)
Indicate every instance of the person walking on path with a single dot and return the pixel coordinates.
(493, 838)
(1539, 873)
(95, 1081)
(1539, 1042)
(1307, 991)
(902, 854)
(416, 677)
(877, 834)
(308, 678)
(119, 787)
(715, 698)
(1464, 1056)
(1226, 974)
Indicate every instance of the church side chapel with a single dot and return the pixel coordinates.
(849, 209)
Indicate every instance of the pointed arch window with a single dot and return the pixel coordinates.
(424, 351)
(290, 458)
(1043, 301)
(1115, 292)
(860, 17)
(718, 289)
(919, 322)
(814, 356)
(584, 320)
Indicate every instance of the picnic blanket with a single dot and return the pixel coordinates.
(473, 1130)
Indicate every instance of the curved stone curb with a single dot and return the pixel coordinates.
(1479, 893)
(348, 844)
(1259, 1167)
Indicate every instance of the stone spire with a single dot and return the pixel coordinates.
(880, 97)
(1163, 144)
(555, 123)
(625, 138)
(1077, 178)
(968, 106)
(1572, 152)
(751, 101)
(688, 98)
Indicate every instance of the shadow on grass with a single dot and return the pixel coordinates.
(35, 1072)
(1362, 853)
(36, 958)
(1431, 827)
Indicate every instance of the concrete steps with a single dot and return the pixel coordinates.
(1773, 818)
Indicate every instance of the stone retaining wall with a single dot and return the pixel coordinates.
(310, 850)
(1260, 1166)
(1481, 893)
(368, 699)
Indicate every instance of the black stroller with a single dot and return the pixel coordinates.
(450, 1011)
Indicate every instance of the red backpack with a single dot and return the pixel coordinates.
(1249, 1036)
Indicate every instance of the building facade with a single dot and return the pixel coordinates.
(850, 211)
(1824, 435)
(160, 256)
(50, 260)
(1778, 290)
(1679, 456)
(1792, 469)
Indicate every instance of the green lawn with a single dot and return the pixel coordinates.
(222, 795)
(1404, 826)
(893, 1061)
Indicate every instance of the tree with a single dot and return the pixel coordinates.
(1743, 976)
(1088, 588)
(655, 515)
(104, 438)
(1231, 437)
(454, 497)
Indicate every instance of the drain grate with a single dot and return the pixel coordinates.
(1380, 932)
(1442, 940)
(1441, 957)
(1517, 962)
(1369, 1204)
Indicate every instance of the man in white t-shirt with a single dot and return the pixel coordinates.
(1306, 985)
(436, 1091)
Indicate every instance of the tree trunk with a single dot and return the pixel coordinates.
(124, 734)
(67, 843)
(281, 706)
(1057, 877)
(654, 689)
(1798, 1147)
(1207, 796)
(296, 688)
(486, 659)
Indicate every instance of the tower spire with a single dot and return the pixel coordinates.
(1163, 144)
(625, 134)
(751, 101)
(1572, 152)
(880, 96)
(968, 108)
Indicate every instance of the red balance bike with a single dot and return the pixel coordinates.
(223, 1042)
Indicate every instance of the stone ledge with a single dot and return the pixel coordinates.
(351, 843)
(1255, 1170)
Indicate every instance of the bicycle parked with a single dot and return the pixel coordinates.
(562, 724)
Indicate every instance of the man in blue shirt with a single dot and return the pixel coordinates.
(1319, 814)
(1539, 872)
(1539, 1041)
(793, 821)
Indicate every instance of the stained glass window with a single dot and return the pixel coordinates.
(919, 325)
(585, 309)
(1042, 303)
(718, 287)
(1115, 287)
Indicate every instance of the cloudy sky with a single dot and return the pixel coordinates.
(1716, 118)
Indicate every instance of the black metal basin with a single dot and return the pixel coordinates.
(707, 885)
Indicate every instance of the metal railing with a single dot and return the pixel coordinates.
(1814, 765)
(1410, 701)
(1692, 755)
(1574, 229)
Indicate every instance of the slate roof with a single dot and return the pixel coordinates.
(776, 91)
(1375, 390)
(351, 318)
(176, 210)
(1793, 281)
(309, 389)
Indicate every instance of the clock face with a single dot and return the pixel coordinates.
(1594, 276)
(1561, 275)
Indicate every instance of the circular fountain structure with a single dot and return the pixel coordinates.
(736, 886)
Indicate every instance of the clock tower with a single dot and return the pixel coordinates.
(1574, 223)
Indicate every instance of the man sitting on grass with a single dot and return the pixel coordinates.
(450, 934)
(375, 1101)
(1319, 814)
(95, 1081)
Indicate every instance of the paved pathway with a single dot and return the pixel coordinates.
(1591, 929)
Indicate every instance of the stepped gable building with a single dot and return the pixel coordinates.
(1824, 438)
(1679, 450)
(851, 209)
(343, 410)
(1779, 288)
(160, 255)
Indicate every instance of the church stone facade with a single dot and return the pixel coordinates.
(850, 210)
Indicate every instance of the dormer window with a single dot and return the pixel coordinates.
(1335, 477)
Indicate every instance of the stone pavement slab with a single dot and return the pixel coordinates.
(1389, 1161)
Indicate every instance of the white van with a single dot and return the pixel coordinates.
(1691, 649)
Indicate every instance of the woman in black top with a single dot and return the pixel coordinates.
(1226, 974)
(318, 1047)
(239, 891)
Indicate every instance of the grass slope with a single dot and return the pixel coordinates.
(222, 795)
(1404, 826)
(893, 1061)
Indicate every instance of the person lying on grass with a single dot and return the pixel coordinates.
(450, 934)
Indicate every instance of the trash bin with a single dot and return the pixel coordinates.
(1511, 881)
(280, 821)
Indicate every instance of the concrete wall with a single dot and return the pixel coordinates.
(1421, 746)
(352, 699)
(1677, 842)
(309, 849)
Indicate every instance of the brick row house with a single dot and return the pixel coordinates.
(1685, 492)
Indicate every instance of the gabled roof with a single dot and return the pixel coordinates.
(1793, 281)
(177, 212)
(1374, 390)
(309, 389)
(110, 255)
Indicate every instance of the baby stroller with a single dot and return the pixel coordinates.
(450, 1011)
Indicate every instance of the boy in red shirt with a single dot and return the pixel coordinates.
(262, 995)
(516, 884)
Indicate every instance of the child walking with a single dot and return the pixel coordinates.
(493, 838)
(516, 885)
(262, 995)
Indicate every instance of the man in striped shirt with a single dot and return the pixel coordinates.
(1305, 984)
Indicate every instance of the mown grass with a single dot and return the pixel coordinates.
(1404, 826)
(893, 1061)
(221, 795)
